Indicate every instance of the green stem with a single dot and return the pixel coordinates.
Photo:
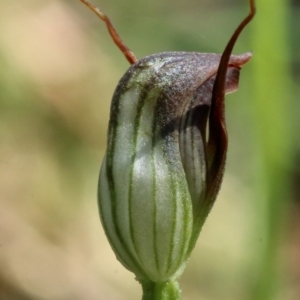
(272, 115)
(168, 290)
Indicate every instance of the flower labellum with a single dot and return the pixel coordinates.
(165, 158)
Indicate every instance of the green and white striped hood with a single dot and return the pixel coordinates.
(154, 192)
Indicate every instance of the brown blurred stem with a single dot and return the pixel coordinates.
(112, 31)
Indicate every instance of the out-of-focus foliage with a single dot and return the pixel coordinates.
(58, 72)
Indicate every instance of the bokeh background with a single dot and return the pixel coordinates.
(58, 71)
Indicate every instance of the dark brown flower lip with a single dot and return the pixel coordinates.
(239, 60)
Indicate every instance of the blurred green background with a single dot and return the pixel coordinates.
(58, 71)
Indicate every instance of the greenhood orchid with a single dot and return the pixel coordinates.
(165, 158)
